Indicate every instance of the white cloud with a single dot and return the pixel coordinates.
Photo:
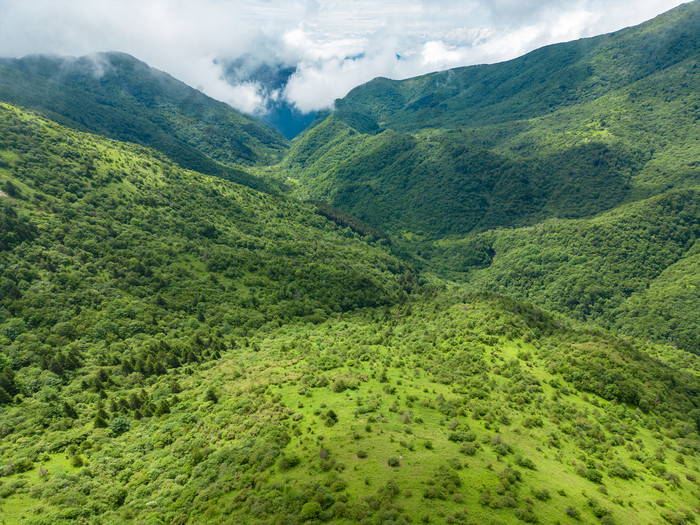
(437, 53)
(335, 46)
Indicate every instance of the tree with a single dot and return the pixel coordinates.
(211, 396)
(163, 408)
(69, 411)
(119, 425)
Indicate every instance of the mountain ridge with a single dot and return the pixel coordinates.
(178, 348)
(654, 45)
(116, 95)
(472, 159)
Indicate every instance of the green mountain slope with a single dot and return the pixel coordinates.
(449, 409)
(106, 247)
(635, 268)
(176, 348)
(478, 167)
(115, 95)
(536, 84)
(451, 161)
(433, 184)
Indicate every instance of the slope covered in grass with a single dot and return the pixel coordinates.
(449, 409)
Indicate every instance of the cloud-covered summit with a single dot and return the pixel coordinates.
(306, 53)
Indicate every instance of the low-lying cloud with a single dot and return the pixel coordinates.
(306, 52)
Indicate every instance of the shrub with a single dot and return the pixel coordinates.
(527, 514)
(361, 454)
(288, 461)
(338, 485)
(455, 463)
(310, 510)
(393, 461)
(541, 494)
(23, 465)
(619, 470)
(677, 519)
(593, 475)
(331, 418)
(673, 479)
(434, 493)
(119, 425)
(525, 463)
(461, 436)
(468, 448)
(597, 509)
(339, 510)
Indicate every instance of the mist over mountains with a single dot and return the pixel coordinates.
(464, 297)
(270, 81)
(332, 48)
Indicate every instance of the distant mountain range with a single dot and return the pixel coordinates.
(470, 297)
(118, 96)
(570, 131)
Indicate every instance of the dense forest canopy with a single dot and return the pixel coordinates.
(465, 298)
(595, 142)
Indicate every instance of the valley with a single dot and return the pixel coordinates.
(468, 297)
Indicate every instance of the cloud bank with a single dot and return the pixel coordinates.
(306, 52)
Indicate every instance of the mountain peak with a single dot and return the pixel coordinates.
(537, 83)
(119, 96)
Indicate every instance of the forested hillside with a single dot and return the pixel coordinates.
(447, 164)
(116, 95)
(536, 84)
(635, 268)
(113, 247)
(177, 348)
(466, 298)
(449, 408)
(584, 151)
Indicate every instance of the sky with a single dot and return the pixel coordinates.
(329, 47)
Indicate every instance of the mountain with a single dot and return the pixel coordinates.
(179, 348)
(634, 268)
(116, 95)
(513, 143)
(539, 83)
(568, 132)
(97, 224)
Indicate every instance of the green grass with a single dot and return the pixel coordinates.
(211, 353)
(273, 400)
